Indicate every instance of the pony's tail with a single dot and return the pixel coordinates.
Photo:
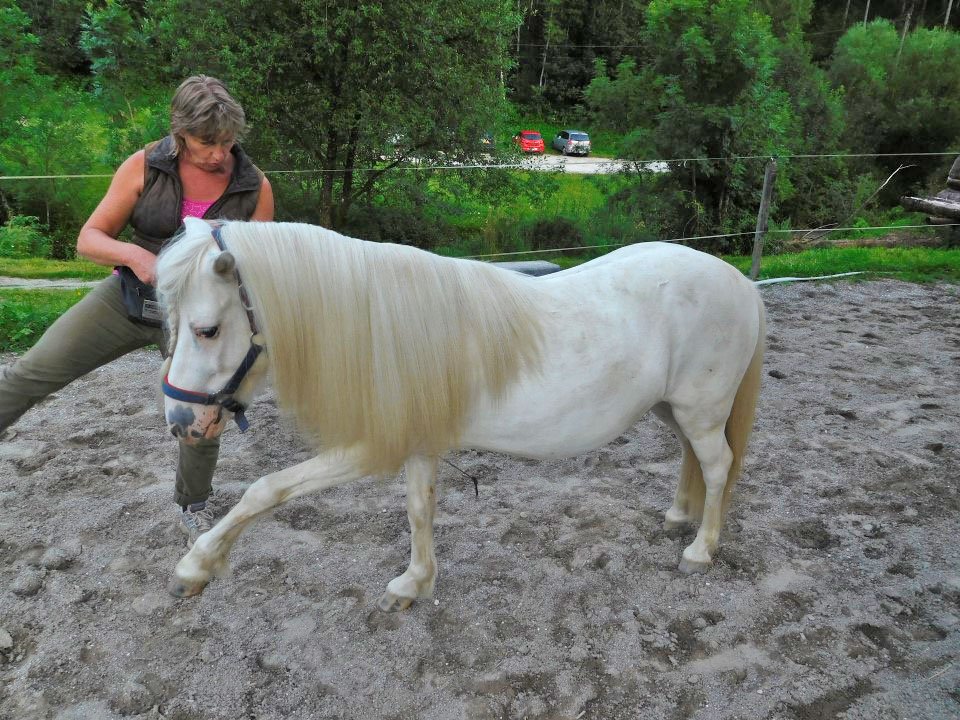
(740, 421)
(738, 428)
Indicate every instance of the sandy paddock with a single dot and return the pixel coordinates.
(836, 591)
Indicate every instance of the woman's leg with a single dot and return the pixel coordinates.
(193, 485)
(90, 334)
(195, 468)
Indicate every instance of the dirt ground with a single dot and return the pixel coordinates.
(835, 594)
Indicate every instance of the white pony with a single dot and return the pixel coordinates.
(388, 356)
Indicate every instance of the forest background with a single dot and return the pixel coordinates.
(367, 116)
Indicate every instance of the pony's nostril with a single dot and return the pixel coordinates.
(176, 430)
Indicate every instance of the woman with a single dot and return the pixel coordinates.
(198, 170)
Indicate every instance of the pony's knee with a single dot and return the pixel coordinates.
(715, 465)
(261, 495)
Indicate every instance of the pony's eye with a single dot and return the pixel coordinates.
(207, 332)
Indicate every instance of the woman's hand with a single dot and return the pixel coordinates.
(143, 264)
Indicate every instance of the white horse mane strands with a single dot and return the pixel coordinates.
(400, 341)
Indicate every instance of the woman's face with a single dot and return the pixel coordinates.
(207, 154)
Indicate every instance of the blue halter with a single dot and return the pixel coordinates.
(225, 396)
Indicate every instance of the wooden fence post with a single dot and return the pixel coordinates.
(768, 177)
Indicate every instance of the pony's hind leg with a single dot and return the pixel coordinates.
(418, 580)
(680, 512)
(208, 557)
(709, 445)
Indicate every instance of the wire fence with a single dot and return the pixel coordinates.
(609, 166)
(807, 231)
(612, 165)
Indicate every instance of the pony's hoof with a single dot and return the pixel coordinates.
(183, 589)
(689, 567)
(390, 603)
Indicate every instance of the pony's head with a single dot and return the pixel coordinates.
(214, 365)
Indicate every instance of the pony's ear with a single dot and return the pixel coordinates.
(225, 263)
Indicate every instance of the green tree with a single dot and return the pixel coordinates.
(811, 191)
(19, 77)
(708, 93)
(336, 87)
(56, 26)
(20, 82)
(560, 41)
(60, 132)
(47, 127)
(788, 18)
(129, 82)
(112, 42)
(899, 101)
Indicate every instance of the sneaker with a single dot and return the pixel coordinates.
(194, 521)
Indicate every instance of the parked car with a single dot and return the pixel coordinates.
(529, 141)
(572, 142)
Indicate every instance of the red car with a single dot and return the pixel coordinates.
(529, 141)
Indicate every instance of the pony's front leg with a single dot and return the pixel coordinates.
(418, 580)
(208, 557)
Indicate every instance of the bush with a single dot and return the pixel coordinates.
(554, 234)
(62, 244)
(26, 314)
(404, 226)
(22, 237)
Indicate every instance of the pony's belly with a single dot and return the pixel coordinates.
(546, 422)
(538, 447)
(597, 378)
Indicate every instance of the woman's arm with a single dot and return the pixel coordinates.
(264, 209)
(97, 240)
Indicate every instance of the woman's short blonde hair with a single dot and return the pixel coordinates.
(202, 107)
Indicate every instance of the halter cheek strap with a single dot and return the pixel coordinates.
(225, 397)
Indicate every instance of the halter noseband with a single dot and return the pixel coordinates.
(225, 397)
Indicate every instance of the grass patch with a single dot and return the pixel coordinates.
(534, 195)
(26, 314)
(43, 269)
(917, 264)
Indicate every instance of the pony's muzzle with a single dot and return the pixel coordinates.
(192, 424)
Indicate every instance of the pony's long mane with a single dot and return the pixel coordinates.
(378, 347)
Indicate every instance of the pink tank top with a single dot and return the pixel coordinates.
(194, 208)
